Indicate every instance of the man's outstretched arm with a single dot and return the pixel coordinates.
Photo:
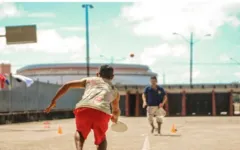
(62, 90)
(72, 84)
(115, 108)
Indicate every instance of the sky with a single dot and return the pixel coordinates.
(144, 28)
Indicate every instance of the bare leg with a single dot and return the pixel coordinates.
(103, 145)
(152, 125)
(79, 140)
(159, 127)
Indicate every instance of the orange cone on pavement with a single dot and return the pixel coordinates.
(173, 130)
(60, 130)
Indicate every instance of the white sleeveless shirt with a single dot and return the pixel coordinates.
(98, 94)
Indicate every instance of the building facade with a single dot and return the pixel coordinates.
(183, 100)
(125, 74)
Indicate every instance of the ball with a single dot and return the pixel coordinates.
(131, 55)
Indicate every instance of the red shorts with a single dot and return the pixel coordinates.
(87, 119)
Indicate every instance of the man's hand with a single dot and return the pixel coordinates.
(51, 106)
(161, 105)
(114, 118)
(144, 105)
(164, 101)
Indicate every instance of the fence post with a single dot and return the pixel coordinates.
(25, 98)
(38, 95)
(10, 94)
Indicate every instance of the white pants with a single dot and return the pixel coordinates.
(155, 111)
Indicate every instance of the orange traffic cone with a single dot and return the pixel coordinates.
(173, 130)
(60, 130)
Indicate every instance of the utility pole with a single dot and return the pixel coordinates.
(191, 42)
(164, 79)
(86, 6)
(191, 57)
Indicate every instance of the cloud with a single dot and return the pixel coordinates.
(49, 41)
(41, 15)
(224, 57)
(237, 74)
(9, 10)
(95, 53)
(150, 55)
(162, 18)
(44, 24)
(73, 28)
(195, 75)
(12, 10)
(76, 28)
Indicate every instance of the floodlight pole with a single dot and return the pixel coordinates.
(191, 42)
(86, 6)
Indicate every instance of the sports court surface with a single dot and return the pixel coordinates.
(194, 133)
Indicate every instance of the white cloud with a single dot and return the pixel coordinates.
(224, 57)
(237, 74)
(11, 10)
(76, 28)
(195, 74)
(162, 18)
(150, 55)
(48, 41)
(42, 15)
(95, 53)
(5, 61)
(234, 21)
(73, 28)
(43, 24)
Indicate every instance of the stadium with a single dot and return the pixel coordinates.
(61, 73)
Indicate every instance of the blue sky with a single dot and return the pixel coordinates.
(145, 29)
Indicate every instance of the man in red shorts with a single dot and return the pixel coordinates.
(93, 111)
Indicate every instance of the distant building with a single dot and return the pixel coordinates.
(125, 74)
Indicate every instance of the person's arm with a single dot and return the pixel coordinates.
(115, 106)
(164, 97)
(144, 97)
(72, 84)
(62, 90)
(164, 100)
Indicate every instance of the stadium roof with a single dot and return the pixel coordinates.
(59, 65)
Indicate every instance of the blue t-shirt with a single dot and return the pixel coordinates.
(154, 96)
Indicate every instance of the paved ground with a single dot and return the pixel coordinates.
(194, 133)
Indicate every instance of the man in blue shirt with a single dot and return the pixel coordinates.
(154, 97)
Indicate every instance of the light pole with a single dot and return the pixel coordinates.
(86, 6)
(163, 78)
(237, 62)
(112, 58)
(191, 42)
